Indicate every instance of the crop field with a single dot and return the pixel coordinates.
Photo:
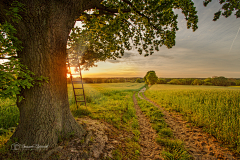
(216, 109)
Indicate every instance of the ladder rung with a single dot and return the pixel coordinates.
(76, 81)
(72, 58)
(76, 74)
(80, 101)
(77, 88)
(79, 95)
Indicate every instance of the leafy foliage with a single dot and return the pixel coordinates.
(220, 81)
(161, 81)
(138, 80)
(116, 26)
(228, 7)
(151, 78)
(197, 82)
(13, 75)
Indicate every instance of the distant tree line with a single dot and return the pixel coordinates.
(214, 81)
(107, 80)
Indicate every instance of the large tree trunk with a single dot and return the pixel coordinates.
(44, 112)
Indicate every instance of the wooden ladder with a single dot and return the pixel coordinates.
(77, 95)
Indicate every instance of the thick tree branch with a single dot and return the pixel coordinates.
(111, 10)
(4, 5)
(141, 14)
(101, 12)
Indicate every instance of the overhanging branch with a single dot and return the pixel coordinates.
(103, 10)
(141, 14)
(111, 10)
(88, 16)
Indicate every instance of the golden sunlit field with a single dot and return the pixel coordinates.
(101, 93)
(113, 104)
(105, 97)
(216, 109)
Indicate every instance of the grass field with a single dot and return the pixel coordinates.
(113, 104)
(109, 102)
(216, 109)
(106, 101)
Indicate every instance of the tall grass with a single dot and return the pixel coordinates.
(216, 109)
(9, 113)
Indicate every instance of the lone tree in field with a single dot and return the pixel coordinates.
(43, 27)
(150, 78)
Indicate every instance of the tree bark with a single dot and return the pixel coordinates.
(44, 30)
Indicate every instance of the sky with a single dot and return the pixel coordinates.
(212, 50)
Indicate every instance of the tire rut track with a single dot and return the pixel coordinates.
(200, 145)
(149, 148)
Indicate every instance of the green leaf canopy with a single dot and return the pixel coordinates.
(115, 26)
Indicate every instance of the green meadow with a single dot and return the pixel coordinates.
(113, 104)
(216, 109)
(110, 102)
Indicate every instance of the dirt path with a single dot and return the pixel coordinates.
(149, 148)
(141, 91)
(200, 145)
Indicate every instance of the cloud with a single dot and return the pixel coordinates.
(127, 55)
(113, 61)
(203, 53)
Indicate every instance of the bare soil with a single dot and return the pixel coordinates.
(199, 144)
(99, 142)
(149, 148)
